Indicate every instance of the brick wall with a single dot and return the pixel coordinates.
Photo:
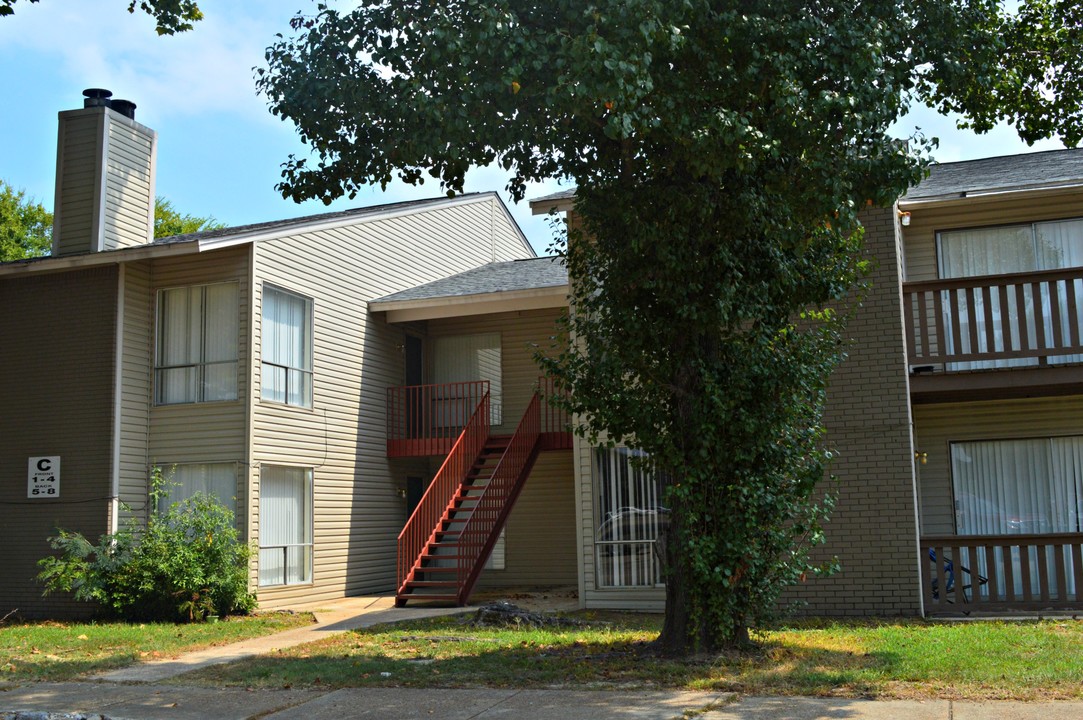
(873, 528)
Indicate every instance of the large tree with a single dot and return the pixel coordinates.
(26, 227)
(169, 221)
(722, 151)
(171, 16)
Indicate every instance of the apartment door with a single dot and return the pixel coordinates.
(414, 351)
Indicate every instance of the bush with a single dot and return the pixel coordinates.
(186, 564)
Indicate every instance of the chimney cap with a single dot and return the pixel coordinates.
(96, 97)
(124, 107)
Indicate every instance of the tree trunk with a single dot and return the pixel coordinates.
(675, 638)
(682, 635)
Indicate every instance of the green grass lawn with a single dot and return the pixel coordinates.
(60, 651)
(898, 658)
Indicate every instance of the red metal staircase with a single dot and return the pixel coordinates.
(446, 542)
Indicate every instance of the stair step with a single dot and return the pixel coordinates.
(429, 556)
(403, 597)
(431, 584)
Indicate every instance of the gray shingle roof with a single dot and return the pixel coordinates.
(1007, 172)
(1010, 172)
(560, 195)
(307, 219)
(529, 274)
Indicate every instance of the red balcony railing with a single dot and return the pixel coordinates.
(427, 419)
(556, 433)
(965, 573)
(422, 526)
(994, 321)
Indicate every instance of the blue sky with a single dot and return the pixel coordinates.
(219, 149)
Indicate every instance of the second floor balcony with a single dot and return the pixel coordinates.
(957, 328)
(427, 420)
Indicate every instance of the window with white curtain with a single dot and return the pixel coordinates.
(468, 358)
(186, 480)
(197, 344)
(628, 498)
(285, 525)
(1018, 487)
(1005, 250)
(286, 347)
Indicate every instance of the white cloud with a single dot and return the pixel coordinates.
(209, 70)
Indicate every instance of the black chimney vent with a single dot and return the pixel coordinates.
(99, 97)
(124, 107)
(96, 97)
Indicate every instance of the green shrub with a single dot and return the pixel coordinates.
(186, 564)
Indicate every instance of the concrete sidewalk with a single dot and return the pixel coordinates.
(160, 702)
(332, 618)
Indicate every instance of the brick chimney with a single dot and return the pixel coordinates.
(104, 177)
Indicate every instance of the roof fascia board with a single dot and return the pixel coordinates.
(545, 207)
(480, 304)
(1034, 191)
(108, 257)
(332, 223)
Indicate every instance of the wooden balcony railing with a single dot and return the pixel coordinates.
(423, 524)
(965, 573)
(995, 320)
(427, 419)
(484, 521)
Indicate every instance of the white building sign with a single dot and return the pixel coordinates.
(43, 477)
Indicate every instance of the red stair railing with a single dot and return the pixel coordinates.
(484, 522)
(423, 525)
(428, 419)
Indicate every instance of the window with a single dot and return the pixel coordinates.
(468, 358)
(285, 525)
(184, 481)
(1006, 250)
(628, 494)
(1010, 487)
(287, 348)
(197, 344)
(1019, 487)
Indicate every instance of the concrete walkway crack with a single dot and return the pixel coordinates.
(501, 701)
(287, 706)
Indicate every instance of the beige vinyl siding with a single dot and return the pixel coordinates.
(920, 237)
(137, 372)
(204, 432)
(508, 242)
(358, 512)
(936, 426)
(540, 547)
(129, 183)
(64, 407)
(105, 182)
(78, 188)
